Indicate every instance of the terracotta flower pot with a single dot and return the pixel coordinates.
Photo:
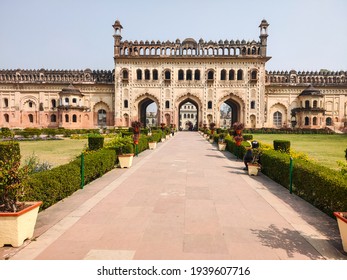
(16, 227)
(342, 223)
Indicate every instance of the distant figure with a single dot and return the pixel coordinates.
(248, 157)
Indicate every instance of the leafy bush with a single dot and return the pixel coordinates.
(323, 187)
(33, 165)
(95, 142)
(60, 182)
(6, 133)
(247, 137)
(11, 176)
(282, 145)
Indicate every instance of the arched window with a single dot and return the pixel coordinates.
(328, 121)
(139, 74)
(155, 74)
(210, 75)
(209, 105)
(231, 75)
(7, 118)
(223, 75)
(126, 103)
(315, 103)
(167, 104)
(277, 119)
(67, 100)
(307, 104)
(185, 116)
(54, 103)
(197, 75)
(239, 75)
(307, 121)
(30, 104)
(74, 100)
(66, 118)
(74, 118)
(189, 75)
(314, 121)
(125, 74)
(5, 102)
(252, 104)
(31, 118)
(180, 75)
(53, 118)
(147, 74)
(254, 75)
(167, 75)
(101, 117)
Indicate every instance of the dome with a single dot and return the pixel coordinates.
(310, 91)
(189, 41)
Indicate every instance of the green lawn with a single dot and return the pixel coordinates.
(55, 152)
(326, 149)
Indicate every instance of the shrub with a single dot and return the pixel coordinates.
(60, 182)
(95, 142)
(247, 137)
(323, 187)
(282, 145)
(33, 165)
(6, 133)
(11, 176)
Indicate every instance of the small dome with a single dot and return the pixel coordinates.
(189, 41)
(70, 90)
(310, 90)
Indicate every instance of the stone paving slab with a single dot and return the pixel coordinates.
(183, 200)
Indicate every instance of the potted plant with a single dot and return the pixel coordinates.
(221, 143)
(238, 139)
(238, 127)
(136, 125)
(152, 144)
(212, 127)
(342, 224)
(125, 151)
(17, 219)
(254, 166)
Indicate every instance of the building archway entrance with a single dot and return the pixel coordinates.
(188, 115)
(235, 110)
(148, 112)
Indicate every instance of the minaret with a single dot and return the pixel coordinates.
(263, 37)
(117, 37)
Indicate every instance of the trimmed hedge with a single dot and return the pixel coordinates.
(323, 187)
(54, 185)
(282, 145)
(95, 142)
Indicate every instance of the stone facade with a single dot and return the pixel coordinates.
(204, 73)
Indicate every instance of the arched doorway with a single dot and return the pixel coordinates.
(148, 112)
(234, 111)
(188, 115)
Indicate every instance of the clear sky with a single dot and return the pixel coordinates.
(305, 35)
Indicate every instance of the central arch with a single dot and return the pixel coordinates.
(180, 104)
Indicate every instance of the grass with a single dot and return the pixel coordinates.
(55, 152)
(325, 149)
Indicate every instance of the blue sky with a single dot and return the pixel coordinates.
(305, 35)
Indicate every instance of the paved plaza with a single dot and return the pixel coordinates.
(183, 200)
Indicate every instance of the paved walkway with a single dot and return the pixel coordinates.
(184, 200)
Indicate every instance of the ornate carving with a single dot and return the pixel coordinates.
(57, 76)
